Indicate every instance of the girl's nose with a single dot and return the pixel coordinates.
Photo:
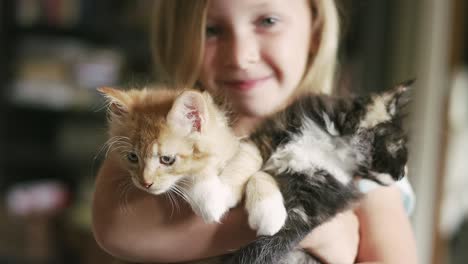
(242, 51)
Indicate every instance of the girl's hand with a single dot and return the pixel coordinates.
(335, 241)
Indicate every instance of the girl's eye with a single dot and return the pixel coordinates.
(132, 157)
(212, 31)
(167, 160)
(268, 21)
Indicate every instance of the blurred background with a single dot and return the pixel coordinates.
(54, 53)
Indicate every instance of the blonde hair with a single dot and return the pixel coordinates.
(178, 34)
(177, 39)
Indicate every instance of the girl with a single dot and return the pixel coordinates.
(260, 53)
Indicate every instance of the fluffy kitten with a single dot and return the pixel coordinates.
(179, 141)
(315, 149)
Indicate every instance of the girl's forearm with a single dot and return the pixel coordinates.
(137, 226)
(386, 233)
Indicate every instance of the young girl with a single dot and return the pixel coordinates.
(260, 54)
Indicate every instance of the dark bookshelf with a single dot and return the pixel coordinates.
(46, 142)
(464, 43)
(30, 129)
(365, 51)
(5, 74)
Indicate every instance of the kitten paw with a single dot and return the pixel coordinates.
(267, 215)
(210, 202)
(214, 211)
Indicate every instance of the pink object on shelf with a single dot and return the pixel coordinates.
(37, 197)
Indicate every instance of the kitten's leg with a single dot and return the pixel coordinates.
(264, 204)
(214, 194)
(209, 196)
(310, 199)
(239, 169)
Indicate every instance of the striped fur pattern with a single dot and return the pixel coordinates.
(314, 149)
(296, 256)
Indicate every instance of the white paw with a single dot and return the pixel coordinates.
(213, 211)
(210, 201)
(231, 199)
(267, 215)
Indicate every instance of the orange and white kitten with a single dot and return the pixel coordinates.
(179, 141)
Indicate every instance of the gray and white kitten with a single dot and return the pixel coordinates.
(315, 150)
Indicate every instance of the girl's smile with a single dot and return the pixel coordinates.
(245, 84)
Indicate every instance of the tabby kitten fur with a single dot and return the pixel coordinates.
(315, 149)
(179, 141)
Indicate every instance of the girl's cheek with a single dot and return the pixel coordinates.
(208, 63)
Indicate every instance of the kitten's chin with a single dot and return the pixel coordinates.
(151, 190)
(158, 191)
(155, 190)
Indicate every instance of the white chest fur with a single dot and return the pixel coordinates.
(314, 149)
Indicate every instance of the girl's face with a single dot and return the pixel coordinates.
(256, 52)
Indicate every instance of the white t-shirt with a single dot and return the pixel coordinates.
(404, 185)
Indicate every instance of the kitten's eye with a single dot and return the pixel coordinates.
(167, 160)
(392, 148)
(132, 157)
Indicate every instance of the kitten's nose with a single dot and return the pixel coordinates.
(147, 185)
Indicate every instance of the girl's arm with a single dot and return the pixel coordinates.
(386, 234)
(335, 241)
(140, 227)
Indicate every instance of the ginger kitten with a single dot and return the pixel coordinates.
(179, 141)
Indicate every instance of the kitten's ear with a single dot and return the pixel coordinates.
(119, 101)
(399, 97)
(189, 113)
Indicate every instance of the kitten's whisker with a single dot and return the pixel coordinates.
(177, 201)
(124, 188)
(184, 183)
(130, 187)
(117, 148)
(123, 202)
(105, 146)
(172, 203)
(179, 192)
(182, 193)
(121, 138)
(117, 141)
(121, 149)
(120, 143)
(101, 149)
